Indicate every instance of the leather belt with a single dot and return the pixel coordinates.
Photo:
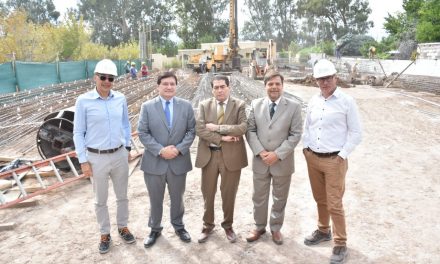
(105, 151)
(215, 148)
(324, 155)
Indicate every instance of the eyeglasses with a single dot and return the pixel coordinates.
(324, 79)
(103, 78)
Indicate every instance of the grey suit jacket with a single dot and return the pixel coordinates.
(155, 134)
(281, 134)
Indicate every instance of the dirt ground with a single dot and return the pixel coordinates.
(392, 203)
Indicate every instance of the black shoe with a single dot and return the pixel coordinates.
(317, 237)
(339, 255)
(183, 235)
(104, 244)
(151, 239)
(126, 235)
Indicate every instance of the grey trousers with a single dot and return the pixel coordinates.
(260, 197)
(115, 167)
(156, 189)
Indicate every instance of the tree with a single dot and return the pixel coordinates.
(428, 28)
(39, 11)
(337, 17)
(261, 19)
(197, 19)
(118, 21)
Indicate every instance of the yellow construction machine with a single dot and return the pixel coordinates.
(223, 56)
(262, 59)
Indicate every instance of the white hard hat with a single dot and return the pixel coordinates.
(106, 66)
(323, 68)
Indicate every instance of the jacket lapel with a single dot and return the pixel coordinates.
(281, 107)
(161, 112)
(228, 109)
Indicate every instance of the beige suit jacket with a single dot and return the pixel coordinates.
(234, 124)
(281, 134)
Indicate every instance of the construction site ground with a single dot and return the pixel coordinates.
(392, 203)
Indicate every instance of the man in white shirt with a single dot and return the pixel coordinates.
(331, 132)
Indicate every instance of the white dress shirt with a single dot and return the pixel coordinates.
(332, 124)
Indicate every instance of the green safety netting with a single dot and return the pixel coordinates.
(29, 75)
(8, 81)
(72, 70)
(34, 74)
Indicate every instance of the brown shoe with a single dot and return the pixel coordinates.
(203, 237)
(277, 237)
(254, 235)
(230, 235)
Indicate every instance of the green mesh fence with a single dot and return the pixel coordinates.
(29, 75)
(34, 74)
(8, 81)
(91, 68)
(72, 70)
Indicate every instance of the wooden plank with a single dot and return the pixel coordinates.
(7, 226)
(7, 159)
(27, 203)
(5, 184)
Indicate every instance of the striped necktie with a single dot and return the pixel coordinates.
(272, 109)
(220, 113)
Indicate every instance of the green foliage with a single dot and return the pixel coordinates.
(304, 54)
(336, 17)
(197, 19)
(294, 48)
(168, 48)
(174, 64)
(327, 47)
(351, 45)
(39, 11)
(125, 51)
(428, 28)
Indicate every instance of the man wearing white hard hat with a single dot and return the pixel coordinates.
(102, 142)
(332, 130)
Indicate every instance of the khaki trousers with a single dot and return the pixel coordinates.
(327, 179)
(260, 197)
(112, 166)
(228, 188)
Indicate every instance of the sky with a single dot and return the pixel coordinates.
(379, 8)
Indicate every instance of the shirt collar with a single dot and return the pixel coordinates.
(225, 102)
(336, 93)
(96, 95)
(164, 101)
(277, 102)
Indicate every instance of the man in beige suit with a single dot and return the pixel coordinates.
(220, 125)
(274, 129)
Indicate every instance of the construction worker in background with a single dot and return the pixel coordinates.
(332, 130)
(202, 61)
(371, 52)
(104, 153)
(133, 71)
(144, 70)
(127, 67)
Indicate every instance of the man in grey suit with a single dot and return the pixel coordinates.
(166, 129)
(274, 129)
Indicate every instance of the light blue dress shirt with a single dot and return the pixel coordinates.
(100, 123)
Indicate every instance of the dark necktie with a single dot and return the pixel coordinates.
(168, 113)
(272, 109)
(220, 113)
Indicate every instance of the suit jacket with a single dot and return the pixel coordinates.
(234, 124)
(155, 134)
(281, 134)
